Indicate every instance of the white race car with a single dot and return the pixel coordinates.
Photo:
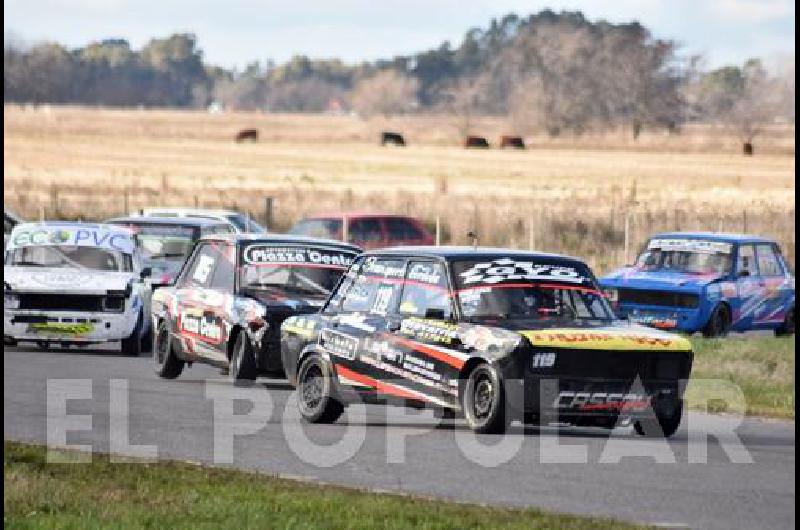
(75, 284)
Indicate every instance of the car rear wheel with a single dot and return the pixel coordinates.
(243, 368)
(168, 365)
(132, 345)
(315, 397)
(483, 401)
(719, 323)
(787, 328)
(663, 425)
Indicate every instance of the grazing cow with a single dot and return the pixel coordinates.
(392, 138)
(247, 134)
(747, 149)
(477, 142)
(515, 142)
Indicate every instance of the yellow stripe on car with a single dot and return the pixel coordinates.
(606, 340)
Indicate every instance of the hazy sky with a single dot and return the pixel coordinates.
(235, 32)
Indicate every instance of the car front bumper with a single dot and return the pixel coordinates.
(68, 326)
(666, 318)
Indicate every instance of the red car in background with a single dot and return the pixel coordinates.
(367, 230)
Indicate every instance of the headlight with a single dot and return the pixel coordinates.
(612, 295)
(10, 301)
(114, 303)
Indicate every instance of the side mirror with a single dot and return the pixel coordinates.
(434, 313)
(743, 273)
(146, 273)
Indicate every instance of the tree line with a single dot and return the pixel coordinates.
(549, 72)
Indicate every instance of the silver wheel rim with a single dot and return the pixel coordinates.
(312, 388)
(483, 398)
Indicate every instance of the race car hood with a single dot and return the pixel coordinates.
(619, 335)
(659, 279)
(61, 280)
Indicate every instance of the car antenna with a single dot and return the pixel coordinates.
(474, 237)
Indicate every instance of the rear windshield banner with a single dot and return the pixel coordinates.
(690, 245)
(270, 255)
(510, 270)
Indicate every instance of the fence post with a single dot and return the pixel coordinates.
(531, 233)
(54, 199)
(438, 230)
(627, 236)
(126, 201)
(268, 204)
(744, 220)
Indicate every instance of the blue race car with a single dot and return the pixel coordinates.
(713, 283)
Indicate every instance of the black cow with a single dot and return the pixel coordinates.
(476, 142)
(392, 138)
(247, 134)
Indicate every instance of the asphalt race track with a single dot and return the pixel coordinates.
(176, 417)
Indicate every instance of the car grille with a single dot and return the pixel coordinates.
(66, 302)
(621, 365)
(658, 298)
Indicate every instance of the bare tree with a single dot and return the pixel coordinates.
(462, 99)
(386, 93)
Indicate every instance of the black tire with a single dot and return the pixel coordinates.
(8, 341)
(147, 341)
(719, 323)
(243, 369)
(315, 398)
(663, 425)
(484, 402)
(787, 328)
(43, 345)
(132, 345)
(168, 365)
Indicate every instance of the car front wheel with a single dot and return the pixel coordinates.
(132, 345)
(315, 397)
(664, 424)
(719, 323)
(168, 365)
(483, 401)
(243, 360)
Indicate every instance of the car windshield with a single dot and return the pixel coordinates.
(325, 228)
(244, 224)
(160, 243)
(284, 271)
(514, 288)
(69, 257)
(686, 256)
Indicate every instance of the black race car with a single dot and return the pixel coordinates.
(492, 334)
(227, 304)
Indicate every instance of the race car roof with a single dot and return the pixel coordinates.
(714, 236)
(460, 253)
(171, 221)
(280, 238)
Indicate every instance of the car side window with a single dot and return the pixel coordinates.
(768, 263)
(223, 276)
(746, 261)
(218, 229)
(425, 291)
(201, 270)
(376, 288)
(401, 229)
(365, 230)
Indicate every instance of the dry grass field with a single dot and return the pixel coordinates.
(572, 195)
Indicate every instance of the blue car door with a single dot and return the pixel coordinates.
(750, 287)
(777, 287)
